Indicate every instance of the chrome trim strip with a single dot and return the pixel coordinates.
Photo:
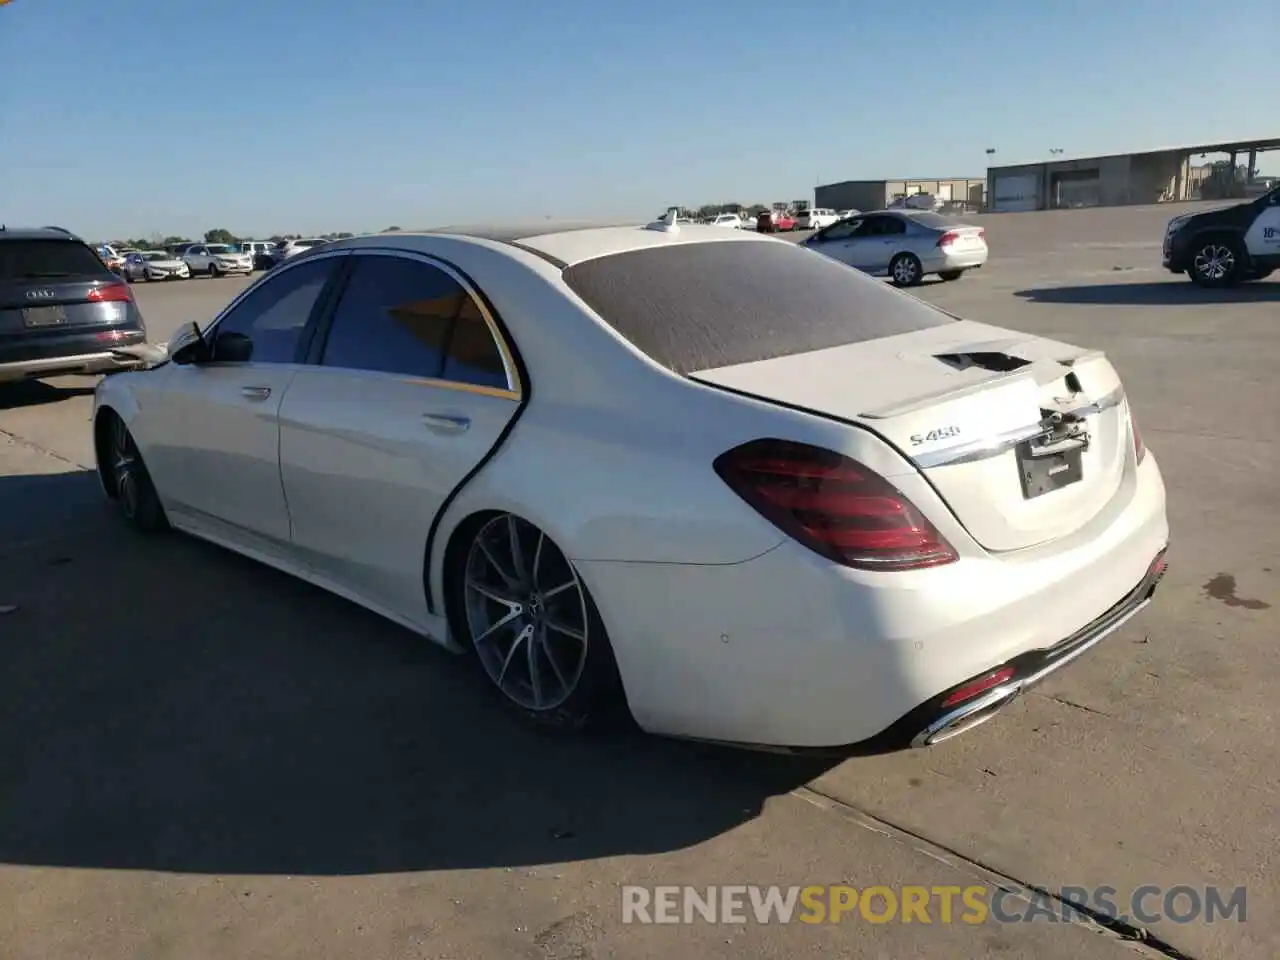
(993, 446)
(985, 706)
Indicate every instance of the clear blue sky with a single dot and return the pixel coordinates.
(169, 116)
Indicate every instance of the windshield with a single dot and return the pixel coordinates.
(155, 256)
(933, 220)
(706, 305)
(222, 248)
(307, 243)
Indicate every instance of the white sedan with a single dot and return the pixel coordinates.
(155, 265)
(746, 492)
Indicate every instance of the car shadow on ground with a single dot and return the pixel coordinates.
(1169, 293)
(37, 393)
(170, 706)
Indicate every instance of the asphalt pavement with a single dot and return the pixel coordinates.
(201, 757)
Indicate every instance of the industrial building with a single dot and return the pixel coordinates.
(878, 194)
(1152, 176)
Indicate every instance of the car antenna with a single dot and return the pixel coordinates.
(667, 222)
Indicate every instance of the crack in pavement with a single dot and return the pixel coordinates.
(21, 441)
(1137, 937)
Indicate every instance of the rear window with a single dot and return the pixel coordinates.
(40, 259)
(700, 306)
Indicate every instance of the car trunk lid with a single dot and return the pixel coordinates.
(1026, 439)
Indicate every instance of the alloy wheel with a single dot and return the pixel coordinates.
(526, 612)
(1215, 262)
(124, 469)
(904, 270)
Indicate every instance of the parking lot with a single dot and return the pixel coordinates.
(201, 757)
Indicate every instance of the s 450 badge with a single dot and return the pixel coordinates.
(941, 433)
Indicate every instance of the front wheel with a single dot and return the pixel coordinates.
(1217, 262)
(126, 479)
(949, 275)
(532, 625)
(214, 272)
(905, 270)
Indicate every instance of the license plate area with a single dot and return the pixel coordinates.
(44, 316)
(1047, 467)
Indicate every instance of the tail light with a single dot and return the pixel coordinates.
(1139, 448)
(833, 505)
(979, 686)
(111, 293)
(948, 238)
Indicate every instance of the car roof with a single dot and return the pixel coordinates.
(562, 245)
(36, 233)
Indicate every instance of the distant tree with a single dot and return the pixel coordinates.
(220, 236)
(391, 230)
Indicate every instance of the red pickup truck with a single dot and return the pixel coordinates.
(775, 221)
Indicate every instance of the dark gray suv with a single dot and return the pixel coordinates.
(61, 309)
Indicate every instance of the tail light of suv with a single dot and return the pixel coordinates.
(833, 505)
(111, 293)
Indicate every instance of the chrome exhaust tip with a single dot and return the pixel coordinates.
(964, 718)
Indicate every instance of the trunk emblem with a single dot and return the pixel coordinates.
(39, 294)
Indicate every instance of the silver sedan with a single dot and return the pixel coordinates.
(904, 245)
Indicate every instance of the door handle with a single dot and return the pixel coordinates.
(444, 423)
(255, 393)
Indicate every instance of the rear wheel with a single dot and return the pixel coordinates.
(1218, 261)
(905, 270)
(532, 625)
(950, 275)
(126, 478)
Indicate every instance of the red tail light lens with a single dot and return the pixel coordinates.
(111, 293)
(1139, 448)
(948, 238)
(833, 505)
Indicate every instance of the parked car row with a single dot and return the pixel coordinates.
(181, 261)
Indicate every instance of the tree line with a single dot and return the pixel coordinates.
(158, 242)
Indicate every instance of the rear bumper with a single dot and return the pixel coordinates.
(83, 354)
(788, 652)
(945, 262)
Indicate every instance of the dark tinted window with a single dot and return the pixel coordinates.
(47, 259)
(473, 354)
(274, 315)
(698, 306)
(883, 226)
(394, 317)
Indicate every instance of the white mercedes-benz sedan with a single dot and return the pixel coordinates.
(747, 493)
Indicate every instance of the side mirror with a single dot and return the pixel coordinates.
(186, 345)
(232, 348)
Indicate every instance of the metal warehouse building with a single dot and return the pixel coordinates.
(878, 194)
(1152, 176)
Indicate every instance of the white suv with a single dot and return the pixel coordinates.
(217, 259)
(730, 220)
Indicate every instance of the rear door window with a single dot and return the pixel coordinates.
(699, 306)
(41, 259)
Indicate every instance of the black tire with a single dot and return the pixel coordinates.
(214, 272)
(905, 270)
(1217, 261)
(949, 275)
(125, 477)
(596, 700)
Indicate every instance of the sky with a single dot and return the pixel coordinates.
(309, 116)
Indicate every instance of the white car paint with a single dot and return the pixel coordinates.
(815, 218)
(1262, 239)
(723, 626)
(730, 220)
(155, 265)
(213, 259)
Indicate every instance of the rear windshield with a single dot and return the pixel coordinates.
(699, 306)
(43, 259)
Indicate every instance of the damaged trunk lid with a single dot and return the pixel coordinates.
(1026, 439)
